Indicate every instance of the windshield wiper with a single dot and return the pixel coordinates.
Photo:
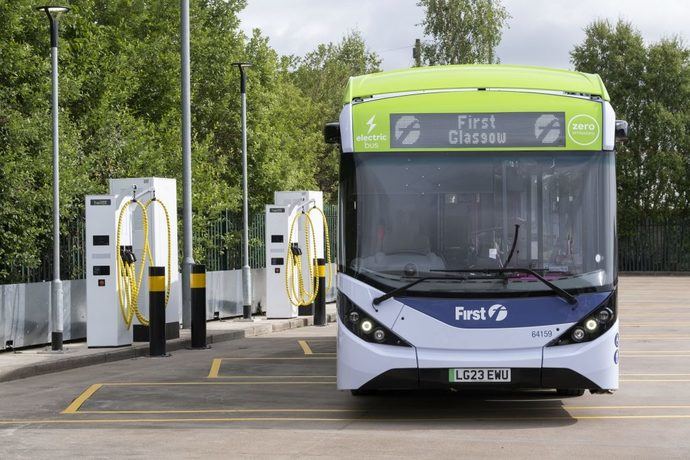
(405, 287)
(560, 292)
(512, 248)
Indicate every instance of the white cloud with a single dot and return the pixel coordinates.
(542, 32)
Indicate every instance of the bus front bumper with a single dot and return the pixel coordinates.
(591, 365)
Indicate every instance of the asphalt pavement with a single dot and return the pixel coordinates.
(275, 396)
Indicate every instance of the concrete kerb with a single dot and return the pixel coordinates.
(139, 350)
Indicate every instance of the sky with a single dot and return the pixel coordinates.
(541, 32)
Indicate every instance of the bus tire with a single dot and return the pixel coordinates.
(570, 391)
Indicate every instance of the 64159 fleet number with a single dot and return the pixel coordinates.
(546, 333)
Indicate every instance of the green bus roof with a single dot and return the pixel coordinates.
(475, 76)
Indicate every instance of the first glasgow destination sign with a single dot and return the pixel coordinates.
(466, 130)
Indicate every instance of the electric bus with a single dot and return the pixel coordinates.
(477, 230)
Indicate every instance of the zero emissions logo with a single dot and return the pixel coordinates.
(583, 130)
(496, 312)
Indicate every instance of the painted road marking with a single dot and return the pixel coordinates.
(305, 347)
(277, 376)
(653, 356)
(216, 363)
(215, 368)
(304, 344)
(274, 359)
(666, 324)
(81, 399)
(84, 396)
(216, 411)
(334, 419)
(656, 336)
(658, 351)
(154, 384)
(655, 375)
(532, 407)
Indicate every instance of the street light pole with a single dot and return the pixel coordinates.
(56, 314)
(186, 167)
(246, 271)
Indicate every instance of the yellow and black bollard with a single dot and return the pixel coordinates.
(320, 301)
(157, 311)
(198, 285)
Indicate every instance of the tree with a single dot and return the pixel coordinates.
(120, 113)
(649, 87)
(322, 76)
(462, 31)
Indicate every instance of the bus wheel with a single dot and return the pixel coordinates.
(570, 392)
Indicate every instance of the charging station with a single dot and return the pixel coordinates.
(119, 215)
(282, 217)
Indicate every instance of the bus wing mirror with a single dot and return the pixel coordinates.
(621, 130)
(331, 133)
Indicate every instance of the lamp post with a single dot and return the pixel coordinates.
(188, 261)
(246, 273)
(54, 13)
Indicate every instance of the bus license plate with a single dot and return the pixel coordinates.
(480, 375)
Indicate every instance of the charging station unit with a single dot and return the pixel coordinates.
(279, 218)
(106, 326)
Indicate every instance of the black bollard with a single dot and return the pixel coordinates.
(198, 284)
(320, 302)
(157, 311)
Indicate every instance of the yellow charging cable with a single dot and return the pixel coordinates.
(297, 292)
(168, 269)
(327, 238)
(129, 280)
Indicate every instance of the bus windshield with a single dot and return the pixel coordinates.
(406, 215)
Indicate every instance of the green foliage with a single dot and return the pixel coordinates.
(322, 75)
(462, 31)
(649, 87)
(120, 112)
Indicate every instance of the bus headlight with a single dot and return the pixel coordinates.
(604, 315)
(379, 335)
(363, 325)
(578, 334)
(592, 326)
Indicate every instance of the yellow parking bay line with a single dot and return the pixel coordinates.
(278, 376)
(161, 384)
(663, 324)
(215, 368)
(276, 359)
(148, 421)
(657, 351)
(336, 410)
(73, 408)
(658, 338)
(305, 347)
(654, 375)
(215, 364)
(641, 355)
(219, 411)
(630, 407)
(81, 399)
